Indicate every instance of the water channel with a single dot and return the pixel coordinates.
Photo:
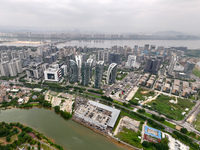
(69, 134)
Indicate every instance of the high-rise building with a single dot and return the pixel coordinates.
(78, 59)
(146, 47)
(93, 56)
(106, 56)
(99, 73)
(73, 72)
(35, 72)
(19, 66)
(140, 58)
(189, 66)
(4, 68)
(13, 54)
(12, 69)
(48, 59)
(172, 64)
(112, 73)
(90, 61)
(131, 62)
(153, 47)
(21, 55)
(85, 72)
(135, 47)
(152, 65)
(114, 58)
(100, 55)
(84, 56)
(64, 70)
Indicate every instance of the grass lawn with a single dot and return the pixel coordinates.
(123, 113)
(196, 72)
(192, 97)
(141, 94)
(196, 123)
(93, 95)
(170, 110)
(130, 137)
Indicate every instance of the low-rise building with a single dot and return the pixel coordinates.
(158, 86)
(175, 90)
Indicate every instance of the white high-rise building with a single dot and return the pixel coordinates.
(13, 54)
(64, 69)
(112, 73)
(131, 62)
(21, 55)
(12, 69)
(90, 61)
(78, 59)
(19, 66)
(93, 56)
(4, 68)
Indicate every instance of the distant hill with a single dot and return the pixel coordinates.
(169, 33)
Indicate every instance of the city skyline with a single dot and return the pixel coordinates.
(103, 15)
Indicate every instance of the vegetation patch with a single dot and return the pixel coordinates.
(130, 137)
(196, 123)
(141, 94)
(170, 110)
(196, 72)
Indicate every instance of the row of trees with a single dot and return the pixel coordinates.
(162, 119)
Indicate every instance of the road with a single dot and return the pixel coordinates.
(167, 129)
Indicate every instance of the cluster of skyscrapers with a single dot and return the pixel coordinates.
(11, 61)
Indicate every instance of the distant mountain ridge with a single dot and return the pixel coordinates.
(168, 33)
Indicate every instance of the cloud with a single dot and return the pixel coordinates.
(103, 15)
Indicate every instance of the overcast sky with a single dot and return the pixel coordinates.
(104, 15)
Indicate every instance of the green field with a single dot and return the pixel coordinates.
(196, 123)
(170, 110)
(196, 72)
(130, 137)
(141, 96)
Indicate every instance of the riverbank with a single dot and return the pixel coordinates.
(116, 141)
(17, 135)
(69, 134)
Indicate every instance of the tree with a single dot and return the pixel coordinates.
(146, 144)
(164, 140)
(162, 119)
(184, 130)
(39, 146)
(8, 138)
(141, 110)
(57, 109)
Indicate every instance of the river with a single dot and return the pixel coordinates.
(69, 134)
(191, 44)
